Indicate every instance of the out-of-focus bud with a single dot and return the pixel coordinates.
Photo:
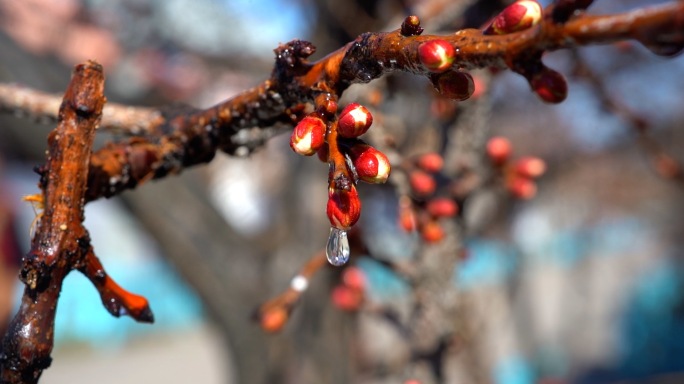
(372, 166)
(344, 207)
(436, 55)
(522, 187)
(273, 319)
(354, 121)
(499, 149)
(353, 277)
(430, 162)
(432, 232)
(529, 166)
(407, 219)
(422, 183)
(454, 85)
(479, 87)
(549, 85)
(346, 298)
(442, 207)
(516, 17)
(308, 136)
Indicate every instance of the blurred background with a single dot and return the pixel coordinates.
(581, 284)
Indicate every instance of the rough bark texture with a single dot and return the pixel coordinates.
(165, 143)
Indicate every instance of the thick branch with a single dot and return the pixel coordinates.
(61, 242)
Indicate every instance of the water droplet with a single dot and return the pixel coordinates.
(337, 249)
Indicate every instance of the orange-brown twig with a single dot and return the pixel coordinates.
(273, 314)
(61, 242)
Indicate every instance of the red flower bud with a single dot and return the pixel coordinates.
(516, 17)
(431, 162)
(422, 183)
(323, 153)
(479, 87)
(346, 298)
(499, 149)
(530, 167)
(432, 232)
(454, 84)
(308, 136)
(442, 207)
(436, 55)
(273, 319)
(522, 187)
(372, 166)
(354, 121)
(666, 166)
(550, 86)
(407, 219)
(353, 277)
(344, 207)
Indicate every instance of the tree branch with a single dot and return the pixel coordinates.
(61, 242)
(184, 139)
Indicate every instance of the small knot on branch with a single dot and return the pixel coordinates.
(294, 54)
(411, 26)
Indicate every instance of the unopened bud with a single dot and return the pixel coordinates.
(354, 121)
(522, 187)
(353, 277)
(372, 166)
(436, 55)
(422, 183)
(273, 319)
(346, 298)
(550, 85)
(442, 207)
(516, 17)
(344, 207)
(453, 84)
(308, 136)
(323, 153)
(531, 167)
(432, 232)
(480, 87)
(499, 149)
(407, 219)
(411, 26)
(431, 162)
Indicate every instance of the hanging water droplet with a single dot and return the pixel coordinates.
(337, 249)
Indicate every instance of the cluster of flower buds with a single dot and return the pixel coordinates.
(426, 209)
(350, 159)
(437, 57)
(516, 17)
(548, 84)
(520, 174)
(349, 294)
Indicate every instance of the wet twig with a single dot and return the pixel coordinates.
(61, 242)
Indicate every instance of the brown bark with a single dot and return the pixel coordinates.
(61, 242)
